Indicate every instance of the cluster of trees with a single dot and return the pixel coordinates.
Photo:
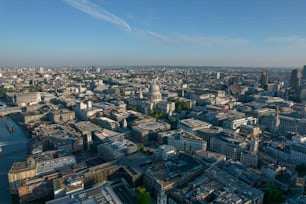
(3, 91)
(133, 108)
(273, 194)
(157, 113)
(142, 196)
(173, 123)
(180, 105)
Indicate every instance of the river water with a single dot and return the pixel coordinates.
(14, 151)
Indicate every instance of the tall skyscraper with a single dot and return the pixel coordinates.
(295, 80)
(304, 73)
(264, 80)
(302, 92)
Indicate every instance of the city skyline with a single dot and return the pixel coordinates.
(96, 32)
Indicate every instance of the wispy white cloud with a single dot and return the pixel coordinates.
(291, 41)
(208, 41)
(156, 36)
(97, 12)
(189, 40)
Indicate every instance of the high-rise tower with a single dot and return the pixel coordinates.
(304, 73)
(295, 80)
(264, 80)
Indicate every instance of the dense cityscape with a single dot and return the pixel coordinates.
(154, 135)
(152, 102)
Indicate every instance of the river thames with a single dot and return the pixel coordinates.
(14, 151)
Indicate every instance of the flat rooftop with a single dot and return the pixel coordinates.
(172, 170)
(102, 134)
(86, 126)
(195, 124)
(234, 183)
(99, 194)
(54, 164)
(151, 126)
(21, 166)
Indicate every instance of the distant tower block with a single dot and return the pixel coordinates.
(41, 69)
(218, 75)
(295, 80)
(264, 79)
(304, 73)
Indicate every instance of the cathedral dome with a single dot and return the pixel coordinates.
(154, 88)
(155, 95)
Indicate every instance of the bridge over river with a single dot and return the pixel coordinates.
(2, 144)
(9, 110)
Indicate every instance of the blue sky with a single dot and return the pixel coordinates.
(146, 32)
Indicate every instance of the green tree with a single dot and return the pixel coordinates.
(272, 193)
(142, 196)
(180, 105)
(156, 113)
(173, 123)
(2, 92)
(140, 147)
(133, 108)
(185, 105)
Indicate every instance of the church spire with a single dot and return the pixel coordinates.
(140, 93)
(276, 119)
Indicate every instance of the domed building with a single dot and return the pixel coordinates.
(152, 101)
(154, 93)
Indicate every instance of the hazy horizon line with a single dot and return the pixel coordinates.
(151, 65)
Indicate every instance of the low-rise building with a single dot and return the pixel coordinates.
(229, 144)
(249, 159)
(233, 124)
(99, 194)
(165, 152)
(62, 115)
(20, 171)
(58, 136)
(32, 189)
(24, 99)
(145, 132)
(215, 186)
(47, 166)
(298, 154)
(249, 131)
(85, 110)
(166, 107)
(87, 130)
(100, 173)
(115, 147)
(184, 141)
(67, 185)
(163, 176)
(108, 123)
(193, 125)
